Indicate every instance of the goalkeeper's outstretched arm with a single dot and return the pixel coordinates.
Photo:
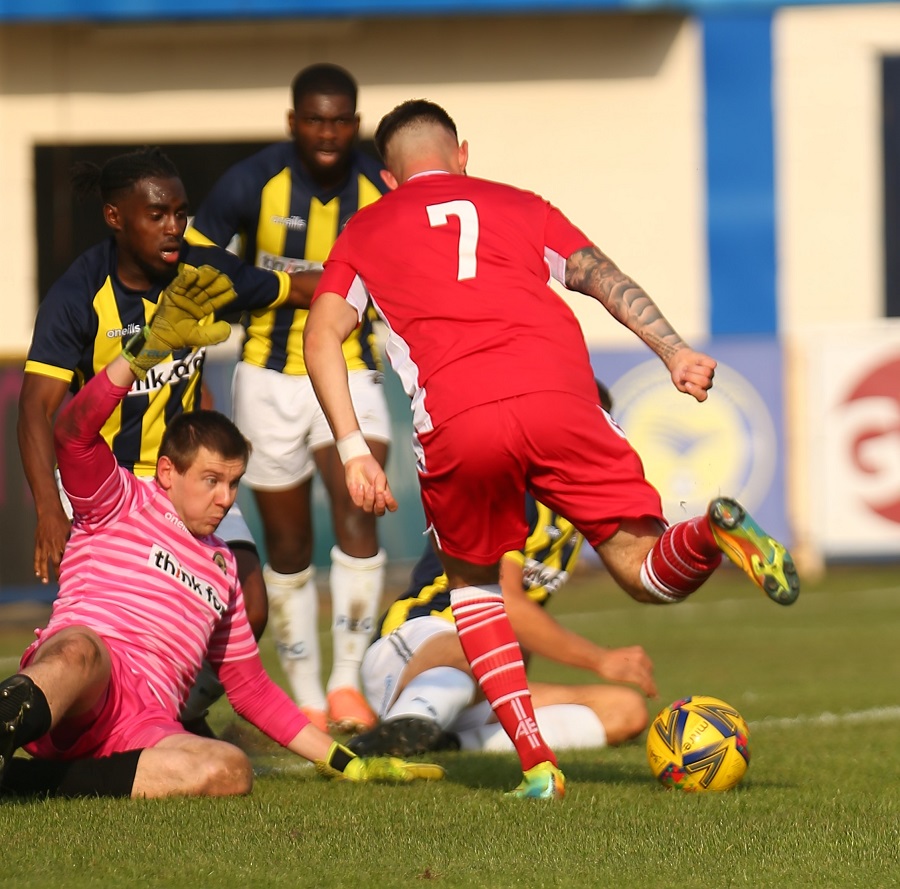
(266, 705)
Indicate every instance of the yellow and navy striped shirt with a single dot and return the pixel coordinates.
(547, 560)
(284, 221)
(88, 315)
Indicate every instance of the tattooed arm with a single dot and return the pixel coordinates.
(591, 272)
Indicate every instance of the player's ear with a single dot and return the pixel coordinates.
(165, 469)
(388, 178)
(112, 217)
(463, 155)
(291, 122)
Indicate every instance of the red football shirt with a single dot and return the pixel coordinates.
(459, 269)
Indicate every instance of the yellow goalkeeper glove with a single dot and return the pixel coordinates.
(343, 765)
(194, 294)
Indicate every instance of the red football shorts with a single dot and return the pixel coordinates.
(128, 717)
(564, 449)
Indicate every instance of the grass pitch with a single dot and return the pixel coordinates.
(820, 805)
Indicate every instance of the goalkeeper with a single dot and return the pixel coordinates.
(146, 592)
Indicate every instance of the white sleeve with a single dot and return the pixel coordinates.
(358, 297)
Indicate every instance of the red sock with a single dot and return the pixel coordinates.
(685, 555)
(494, 655)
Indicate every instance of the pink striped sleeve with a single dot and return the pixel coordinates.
(84, 458)
(260, 701)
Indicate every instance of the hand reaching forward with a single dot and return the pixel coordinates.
(692, 372)
(368, 485)
(629, 664)
(342, 764)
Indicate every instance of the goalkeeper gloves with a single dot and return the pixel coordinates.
(343, 765)
(194, 294)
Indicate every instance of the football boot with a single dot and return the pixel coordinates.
(762, 558)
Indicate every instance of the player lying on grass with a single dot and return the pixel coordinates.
(503, 399)
(417, 677)
(146, 592)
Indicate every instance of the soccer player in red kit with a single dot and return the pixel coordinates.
(458, 268)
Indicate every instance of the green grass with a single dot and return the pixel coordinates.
(820, 805)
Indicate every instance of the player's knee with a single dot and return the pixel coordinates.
(258, 617)
(256, 603)
(355, 532)
(288, 554)
(631, 717)
(637, 717)
(79, 649)
(228, 773)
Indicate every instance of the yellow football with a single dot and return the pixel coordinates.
(699, 743)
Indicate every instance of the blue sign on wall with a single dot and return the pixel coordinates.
(731, 444)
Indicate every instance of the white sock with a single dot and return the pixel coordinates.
(356, 589)
(440, 693)
(293, 620)
(563, 727)
(205, 692)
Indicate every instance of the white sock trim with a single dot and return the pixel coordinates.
(653, 586)
(270, 575)
(464, 594)
(376, 561)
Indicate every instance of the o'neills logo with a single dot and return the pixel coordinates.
(122, 332)
(165, 562)
(295, 223)
(175, 519)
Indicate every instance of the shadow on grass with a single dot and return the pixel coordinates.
(501, 771)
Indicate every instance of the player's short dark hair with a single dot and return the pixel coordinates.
(121, 173)
(322, 78)
(188, 432)
(413, 111)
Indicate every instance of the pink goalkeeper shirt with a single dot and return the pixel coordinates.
(133, 572)
(459, 268)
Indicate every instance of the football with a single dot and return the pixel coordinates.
(699, 743)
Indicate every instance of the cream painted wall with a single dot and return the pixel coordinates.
(829, 172)
(601, 114)
(827, 64)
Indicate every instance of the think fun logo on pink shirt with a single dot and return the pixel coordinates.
(163, 561)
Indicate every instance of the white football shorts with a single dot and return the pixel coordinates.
(281, 416)
(386, 659)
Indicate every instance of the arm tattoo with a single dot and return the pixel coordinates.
(591, 272)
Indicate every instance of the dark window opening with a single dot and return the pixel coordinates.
(67, 226)
(890, 94)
